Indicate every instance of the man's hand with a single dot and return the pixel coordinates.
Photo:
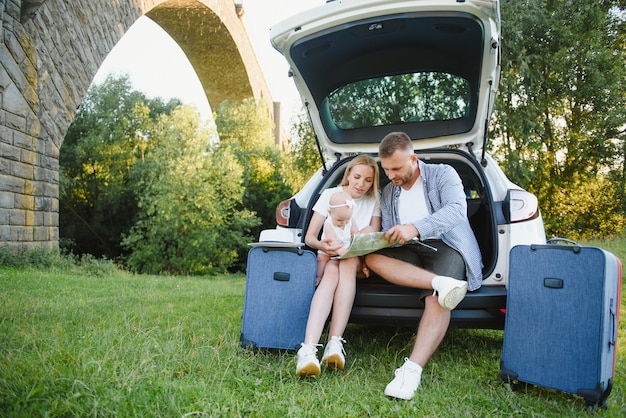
(400, 234)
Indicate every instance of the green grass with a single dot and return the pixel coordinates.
(73, 343)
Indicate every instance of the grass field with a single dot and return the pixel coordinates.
(74, 343)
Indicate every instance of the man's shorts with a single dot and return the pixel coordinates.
(445, 261)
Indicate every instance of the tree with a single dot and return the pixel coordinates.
(596, 212)
(142, 182)
(246, 131)
(304, 157)
(561, 110)
(190, 219)
(96, 203)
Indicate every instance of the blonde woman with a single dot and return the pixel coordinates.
(337, 288)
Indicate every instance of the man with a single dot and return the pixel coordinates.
(424, 202)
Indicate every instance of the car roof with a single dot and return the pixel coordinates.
(347, 41)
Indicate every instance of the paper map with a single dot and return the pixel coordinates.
(369, 242)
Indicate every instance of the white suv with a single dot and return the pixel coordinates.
(429, 68)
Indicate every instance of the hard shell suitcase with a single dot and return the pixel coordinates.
(279, 287)
(562, 319)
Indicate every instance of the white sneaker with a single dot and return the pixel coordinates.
(451, 291)
(334, 354)
(308, 365)
(406, 382)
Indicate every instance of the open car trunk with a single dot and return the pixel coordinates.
(378, 300)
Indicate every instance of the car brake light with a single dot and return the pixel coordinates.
(282, 213)
(523, 206)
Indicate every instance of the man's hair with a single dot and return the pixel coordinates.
(393, 142)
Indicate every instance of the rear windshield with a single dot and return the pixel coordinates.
(397, 99)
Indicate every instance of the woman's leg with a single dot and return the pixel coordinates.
(334, 354)
(344, 296)
(322, 259)
(321, 303)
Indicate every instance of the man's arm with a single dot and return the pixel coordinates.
(448, 201)
(386, 207)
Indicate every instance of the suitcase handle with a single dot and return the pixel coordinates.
(298, 250)
(613, 340)
(551, 243)
(281, 277)
(557, 239)
(553, 283)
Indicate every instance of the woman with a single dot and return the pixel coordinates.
(337, 287)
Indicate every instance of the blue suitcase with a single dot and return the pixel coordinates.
(562, 319)
(279, 287)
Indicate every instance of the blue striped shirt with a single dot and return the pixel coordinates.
(445, 200)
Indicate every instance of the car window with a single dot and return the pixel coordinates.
(403, 98)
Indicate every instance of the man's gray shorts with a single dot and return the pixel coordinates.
(444, 262)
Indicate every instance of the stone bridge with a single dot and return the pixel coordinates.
(49, 54)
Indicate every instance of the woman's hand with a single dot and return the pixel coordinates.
(330, 246)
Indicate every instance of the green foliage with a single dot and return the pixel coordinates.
(587, 209)
(102, 145)
(190, 218)
(36, 257)
(304, 158)
(561, 110)
(53, 260)
(146, 183)
(246, 132)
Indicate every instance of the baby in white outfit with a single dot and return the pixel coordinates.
(339, 226)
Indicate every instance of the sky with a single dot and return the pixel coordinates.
(157, 66)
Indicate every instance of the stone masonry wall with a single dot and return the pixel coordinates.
(48, 58)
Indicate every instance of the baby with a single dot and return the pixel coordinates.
(338, 228)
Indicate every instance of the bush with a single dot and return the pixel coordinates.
(39, 258)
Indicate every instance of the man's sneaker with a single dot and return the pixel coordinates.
(406, 382)
(451, 291)
(308, 365)
(334, 354)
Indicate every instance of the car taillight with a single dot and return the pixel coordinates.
(282, 213)
(523, 206)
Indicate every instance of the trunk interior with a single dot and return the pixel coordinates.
(380, 302)
(480, 208)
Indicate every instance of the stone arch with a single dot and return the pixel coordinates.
(50, 52)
